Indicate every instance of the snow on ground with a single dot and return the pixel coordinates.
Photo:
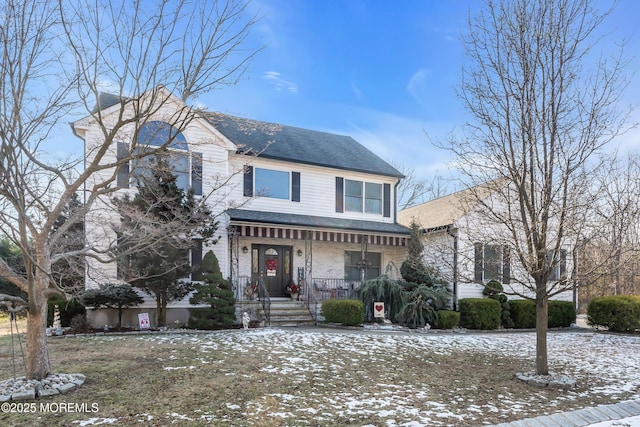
(611, 361)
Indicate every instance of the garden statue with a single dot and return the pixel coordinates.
(245, 320)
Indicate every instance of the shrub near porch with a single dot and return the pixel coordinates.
(348, 312)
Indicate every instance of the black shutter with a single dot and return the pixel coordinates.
(196, 260)
(295, 186)
(122, 179)
(248, 181)
(478, 262)
(386, 196)
(506, 264)
(339, 194)
(196, 173)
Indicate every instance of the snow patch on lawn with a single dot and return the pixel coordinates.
(608, 363)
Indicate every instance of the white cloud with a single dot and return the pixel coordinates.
(417, 86)
(279, 83)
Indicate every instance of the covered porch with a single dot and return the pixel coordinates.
(322, 257)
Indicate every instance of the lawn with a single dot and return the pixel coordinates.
(321, 377)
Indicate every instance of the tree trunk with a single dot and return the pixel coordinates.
(119, 318)
(542, 316)
(37, 357)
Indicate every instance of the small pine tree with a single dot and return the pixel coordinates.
(217, 292)
(413, 269)
(116, 296)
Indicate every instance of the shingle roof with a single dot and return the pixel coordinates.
(299, 145)
(315, 221)
(106, 100)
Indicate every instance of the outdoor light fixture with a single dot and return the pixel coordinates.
(299, 252)
(245, 250)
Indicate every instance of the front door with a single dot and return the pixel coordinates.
(274, 266)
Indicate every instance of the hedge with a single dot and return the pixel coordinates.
(480, 313)
(561, 314)
(523, 313)
(345, 311)
(620, 313)
(447, 319)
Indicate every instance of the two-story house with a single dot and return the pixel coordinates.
(295, 205)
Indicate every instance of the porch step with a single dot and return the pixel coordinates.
(285, 312)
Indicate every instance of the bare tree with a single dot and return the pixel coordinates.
(540, 117)
(607, 261)
(414, 190)
(56, 58)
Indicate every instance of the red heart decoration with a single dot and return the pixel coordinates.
(379, 307)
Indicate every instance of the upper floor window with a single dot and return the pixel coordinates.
(187, 167)
(272, 183)
(359, 196)
(492, 262)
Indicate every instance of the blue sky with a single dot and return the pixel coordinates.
(381, 71)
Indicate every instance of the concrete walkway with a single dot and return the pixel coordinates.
(581, 417)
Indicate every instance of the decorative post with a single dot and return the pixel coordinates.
(57, 327)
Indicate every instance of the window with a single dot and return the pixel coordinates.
(373, 198)
(353, 265)
(271, 183)
(492, 263)
(353, 196)
(559, 270)
(185, 166)
(359, 196)
(196, 259)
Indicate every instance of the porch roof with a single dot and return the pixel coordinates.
(312, 221)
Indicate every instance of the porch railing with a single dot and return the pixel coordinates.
(242, 289)
(265, 299)
(327, 288)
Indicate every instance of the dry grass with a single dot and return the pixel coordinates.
(266, 379)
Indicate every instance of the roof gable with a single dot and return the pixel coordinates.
(281, 142)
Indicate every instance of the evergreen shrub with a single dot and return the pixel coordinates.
(561, 314)
(447, 319)
(619, 313)
(217, 293)
(348, 312)
(523, 313)
(421, 304)
(480, 313)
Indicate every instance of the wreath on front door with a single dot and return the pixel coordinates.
(272, 264)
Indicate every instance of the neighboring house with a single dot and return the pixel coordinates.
(297, 206)
(468, 249)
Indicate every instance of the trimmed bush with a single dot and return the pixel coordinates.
(561, 314)
(523, 313)
(480, 313)
(348, 312)
(447, 319)
(493, 287)
(620, 313)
